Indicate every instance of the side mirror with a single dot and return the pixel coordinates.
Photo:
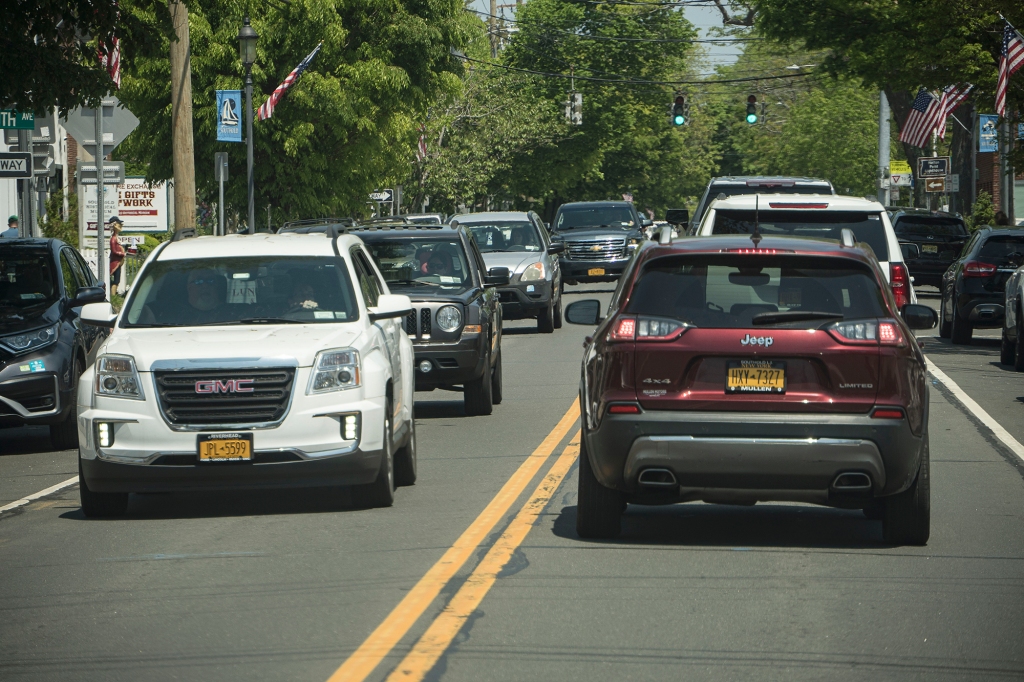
(390, 305)
(586, 312)
(99, 315)
(910, 251)
(87, 295)
(497, 277)
(677, 216)
(646, 222)
(919, 316)
(556, 247)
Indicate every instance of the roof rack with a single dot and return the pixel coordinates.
(184, 233)
(308, 222)
(386, 219)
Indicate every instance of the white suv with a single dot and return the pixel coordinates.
(816, 216)
(249, 362)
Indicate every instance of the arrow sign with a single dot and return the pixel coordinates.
(935, 184)
(381, 195)
(16, 165)
(118, 123)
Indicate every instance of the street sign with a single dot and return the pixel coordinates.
(220, 166)
(935, 184)
(118, 123)
(899, 168)
(987, 139)
(113, 173)
(16, 165)
(901, 180)
(933, 167)
(16, 120)
(229, 120)
(953, 182)
(382, 195)
(894, 194)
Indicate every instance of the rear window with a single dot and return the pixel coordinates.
(925, 227)
(729, 290)
(1003, 250)
(811, 224)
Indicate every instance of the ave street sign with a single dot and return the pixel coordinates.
(382, 195)
(935, 184)
(16, 165)
(16, 120)
(113, 173)
(933, 167)
(118, 123)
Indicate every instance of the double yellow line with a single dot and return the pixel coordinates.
(445, 627)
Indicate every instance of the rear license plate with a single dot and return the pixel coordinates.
(930, 248)
(595, 272)
(224, 447)
(755, 376)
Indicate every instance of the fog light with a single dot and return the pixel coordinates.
(104, 434)
(425, 366)
(350, 426)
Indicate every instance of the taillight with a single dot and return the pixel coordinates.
(646, 328)
(887, 413)
(975, 268)
(867, 333)
(624, 409)
(759, 252)
(625, 330)
(899, 282)
(776, 204)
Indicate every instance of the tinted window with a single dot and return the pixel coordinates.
(1003, 250)
(28, 279)
(408, 263)
(867, 227)
(594, 216)
(68, 273)
(367, 282)
(909, 226)
(271, 289)
(505, 236)
(727, 291)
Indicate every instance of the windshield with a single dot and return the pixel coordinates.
(1003, 250)
(257, 289)
(927, 227)
(603, 216)
(728, 290)
(867, 227)
(28, 279)
(421, 263)
(505, 236)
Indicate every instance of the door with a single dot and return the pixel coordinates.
(372, 286)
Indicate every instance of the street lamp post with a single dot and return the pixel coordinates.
(247, 37)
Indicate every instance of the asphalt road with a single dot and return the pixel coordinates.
(286, 586)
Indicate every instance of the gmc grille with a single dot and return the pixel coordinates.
(183, 406)
(597, 250)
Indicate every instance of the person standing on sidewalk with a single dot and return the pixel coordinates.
(12, 228)
(116, 252)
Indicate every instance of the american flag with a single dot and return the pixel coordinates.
(952, 97)
(110, 58)
(1011, 60)
(924, 116)
(267, 110)
(421, 147)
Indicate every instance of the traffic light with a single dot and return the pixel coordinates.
(752, 109)
(574, 108)
(680, 113)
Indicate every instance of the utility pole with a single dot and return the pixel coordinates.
(492, 22)
(883, 148)
(103, 272)
(182, 150)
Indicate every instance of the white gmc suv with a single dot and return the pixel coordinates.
(255, 361)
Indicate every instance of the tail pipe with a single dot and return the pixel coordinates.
(852, 481)
(658, 478)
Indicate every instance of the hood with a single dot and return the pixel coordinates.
(515, 261)
(13, 321)
(585, 233)
(428, 294)
(288, 341)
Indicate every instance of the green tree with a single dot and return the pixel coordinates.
(983, 212)
(56, 225)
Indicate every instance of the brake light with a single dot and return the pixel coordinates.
(624, 331)
(775, 204)
(624, 409)
(646, 328)
(889, 334)
(867, 333)
(975, 268)
(899, 282)
(763, 252)
(887, 413)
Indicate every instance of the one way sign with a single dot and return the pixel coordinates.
(16, 165)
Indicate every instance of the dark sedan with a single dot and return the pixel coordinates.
(43, 346)
(939, 238)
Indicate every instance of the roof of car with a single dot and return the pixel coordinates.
(28, 241)
(595, 204)
(720, 243)
(467, 218)
(736, 179)
(415, 230)
(922, 212)
(1003, 231)
(833, 202)
(260, 244)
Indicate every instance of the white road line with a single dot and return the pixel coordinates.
(984, 417)
(42, 493)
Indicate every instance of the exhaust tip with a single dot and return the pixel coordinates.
(852, 480)
(658, 477)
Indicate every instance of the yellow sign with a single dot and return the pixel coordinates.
(899, 168)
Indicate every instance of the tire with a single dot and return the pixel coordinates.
(945, 326)
(100, 505)
(558, 314)
(64, 436)
(962, 330)
(496, 381)
(598, 509)
(546, 319)
(405, 459)
(479, 397)
(381, 493)
(1018, 355)
(1007, 350)
(907, 516)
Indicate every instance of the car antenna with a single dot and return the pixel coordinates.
(756, 237)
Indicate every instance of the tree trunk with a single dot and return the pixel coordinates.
(960, 150)
(182, 151)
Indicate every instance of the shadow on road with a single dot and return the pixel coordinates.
(441, 409)
(763, 525)
(25, 440)
(937, 345)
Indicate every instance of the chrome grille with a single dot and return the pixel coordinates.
(597, 249)
(183, 406)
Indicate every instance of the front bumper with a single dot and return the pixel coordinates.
(579, 270)
(451, 364)
(35, 388)
(524, 299)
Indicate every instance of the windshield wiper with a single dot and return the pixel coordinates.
(794, 316)
(414, 281)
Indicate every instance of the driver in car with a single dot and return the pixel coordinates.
(206, 292)
(439, 263)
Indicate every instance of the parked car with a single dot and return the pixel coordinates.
(821, 218)
(1012, 348)
(599, 238)
(519, 242)
(939, 238)
(249, 362)
(455, 323)
(43, 348)
(425, 218)
(735, 371)
(973, 288)
(757, 184)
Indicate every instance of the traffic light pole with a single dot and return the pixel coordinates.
(883, 148)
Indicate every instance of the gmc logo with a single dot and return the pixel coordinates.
(229, 386)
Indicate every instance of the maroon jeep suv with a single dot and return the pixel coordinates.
(737, 370)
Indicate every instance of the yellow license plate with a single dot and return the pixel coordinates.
(595, 272)
(225, 447)
(930, 248)
(755, 376)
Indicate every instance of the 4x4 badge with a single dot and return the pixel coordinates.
(757, 341)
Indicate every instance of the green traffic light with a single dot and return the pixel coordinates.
(679, 119)
(751, 119)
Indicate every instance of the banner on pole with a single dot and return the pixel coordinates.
(229, 119)
(987, 140)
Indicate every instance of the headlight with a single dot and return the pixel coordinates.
(634, 241)
(533, 272)
(334, 370)
(449, 318)
(116, 377)
(33, 340)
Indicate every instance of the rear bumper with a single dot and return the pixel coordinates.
(982, 310)
(524, 300)
(578, 270)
